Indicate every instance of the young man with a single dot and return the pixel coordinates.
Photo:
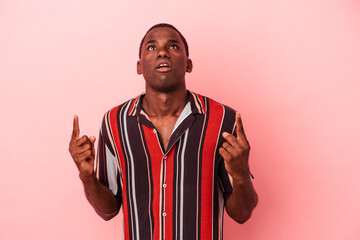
(168, 156)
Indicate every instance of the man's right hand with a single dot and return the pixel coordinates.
(82, 150)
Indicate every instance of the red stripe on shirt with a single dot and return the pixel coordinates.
(156, 158)
(169, 194)
(210, 141)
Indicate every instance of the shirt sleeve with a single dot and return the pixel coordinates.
(106, 167)
(225, 179)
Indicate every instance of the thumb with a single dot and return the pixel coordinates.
(92, 139)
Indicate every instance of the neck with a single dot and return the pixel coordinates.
(162, 104)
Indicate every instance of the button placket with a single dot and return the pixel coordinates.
(164, 185)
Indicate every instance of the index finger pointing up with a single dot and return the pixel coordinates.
(239, 126)
(76, 129)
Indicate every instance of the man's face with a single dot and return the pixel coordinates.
(163, 61)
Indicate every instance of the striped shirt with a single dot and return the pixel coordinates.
(173, 193)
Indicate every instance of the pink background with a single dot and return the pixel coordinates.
(292, 68)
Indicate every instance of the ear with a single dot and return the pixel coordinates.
(138, 67)
(189, 65)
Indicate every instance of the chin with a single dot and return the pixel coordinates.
(164, 84)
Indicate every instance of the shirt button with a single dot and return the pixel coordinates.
(164, 214)
(164, 157)
(164, 185)
(154, 130)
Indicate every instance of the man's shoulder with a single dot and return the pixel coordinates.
(209, 103)
(128, 107)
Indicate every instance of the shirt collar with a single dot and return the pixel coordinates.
(196, 100)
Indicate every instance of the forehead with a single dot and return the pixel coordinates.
(162, 34)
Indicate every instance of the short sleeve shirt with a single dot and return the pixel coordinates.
(172, 193)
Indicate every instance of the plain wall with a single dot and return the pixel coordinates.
(291, 68)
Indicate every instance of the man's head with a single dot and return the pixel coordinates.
(168, 26)
(164, 59)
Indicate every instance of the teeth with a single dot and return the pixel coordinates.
(163, 65)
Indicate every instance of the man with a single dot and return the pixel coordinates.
(169, 156)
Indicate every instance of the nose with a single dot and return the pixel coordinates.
(163, 53)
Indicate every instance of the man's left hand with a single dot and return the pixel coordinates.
(235, 152)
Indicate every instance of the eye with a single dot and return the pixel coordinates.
(151, 48)
(174, 47)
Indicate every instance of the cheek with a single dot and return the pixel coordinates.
(147, 70)
(181, 66)
(146, 67)
(144, 64)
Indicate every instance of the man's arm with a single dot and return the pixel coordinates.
(100, 197)
(235, 151)
(240, 203)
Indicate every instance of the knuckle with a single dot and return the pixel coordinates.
(84, 154)
(71, 150)
(84, 138)
(85, 147)
(88, 153)
(229, 137)
(75, 158)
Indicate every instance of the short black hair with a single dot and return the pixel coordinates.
(168, 26)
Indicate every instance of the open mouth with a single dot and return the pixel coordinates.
(163, 67)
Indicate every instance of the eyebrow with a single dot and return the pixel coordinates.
(151, 41)
(170, 41)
